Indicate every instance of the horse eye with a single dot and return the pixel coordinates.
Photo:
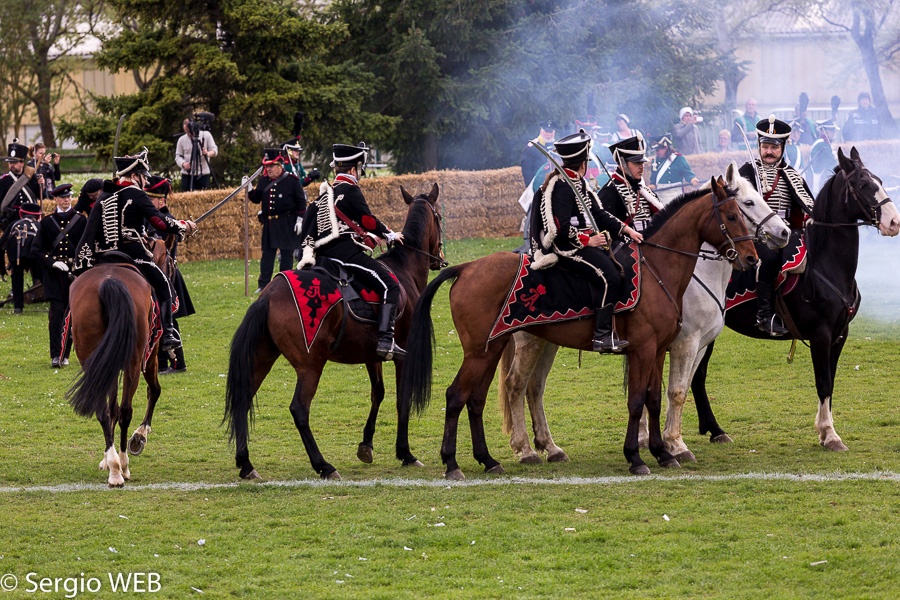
(748, 202)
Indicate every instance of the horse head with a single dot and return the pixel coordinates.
(765, 225)
(874, 205)
(731, 238)
(432, 239)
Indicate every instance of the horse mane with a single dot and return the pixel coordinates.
(414, 230)
(660, 218)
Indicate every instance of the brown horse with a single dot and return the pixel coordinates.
(272, 327)
(111, 313)
(670, 251)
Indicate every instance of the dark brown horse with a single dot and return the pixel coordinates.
(111, 314)
(671, 247)
(272, 327)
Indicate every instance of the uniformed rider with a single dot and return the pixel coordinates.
(669, 171)
(18, 186)
(785, 191)
(55, 245)
(561, 231)
(117, 223)
(626, 196)
(340, 225)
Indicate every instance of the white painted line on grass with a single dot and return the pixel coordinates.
(440, 483)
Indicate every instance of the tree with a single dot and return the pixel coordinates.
(37, 38)
(252, 63)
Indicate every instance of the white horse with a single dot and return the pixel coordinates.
(526, 361)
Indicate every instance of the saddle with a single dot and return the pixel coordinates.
(319, 289)
(555, 295)
(742, 287)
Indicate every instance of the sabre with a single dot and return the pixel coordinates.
(581, 201)
(229, 196)
(740, 126)
(116, 142)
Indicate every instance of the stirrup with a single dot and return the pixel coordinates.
(771, 326)
(169, 342)
(389, 350)
(609, 345)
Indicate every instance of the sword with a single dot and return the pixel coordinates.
(581, 201)
(740, 126)
(228, 197)
(116, 143)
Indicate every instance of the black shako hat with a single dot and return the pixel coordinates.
(349, 156)
(61, 191)
(132, 165)
(30, 208)
(548, 125)
(660, 141)
(629, 150)
(573, 149)
(272, 156)
(158, 187)
(773, 131)
(17, 152)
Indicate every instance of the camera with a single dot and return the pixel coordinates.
(200, 122)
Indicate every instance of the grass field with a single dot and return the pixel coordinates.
(772, 515)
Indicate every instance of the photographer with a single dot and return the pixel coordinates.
(686, 132)
(46, 168)
(193, 151)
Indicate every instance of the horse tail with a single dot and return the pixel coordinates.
(506, 359)
(239, 387)
(415, 384)
(99, 375)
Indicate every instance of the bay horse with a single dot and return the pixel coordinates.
(112, 313)
(272, 327)
(671, 246)
(527, 360)
(826, 298)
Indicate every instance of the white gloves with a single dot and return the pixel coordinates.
(61, 266)
(244, 180)
(298, 225)
(394, 237)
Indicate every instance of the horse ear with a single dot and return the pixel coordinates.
(846, 164)
(730, 172)
(854, 154)
(406, 195)
(717, 188)
(433, 194)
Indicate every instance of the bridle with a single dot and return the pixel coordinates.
(437, 262)
(871, 210)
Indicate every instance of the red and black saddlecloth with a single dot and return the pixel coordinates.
(315, 294)
(556, 295)
(742, 287)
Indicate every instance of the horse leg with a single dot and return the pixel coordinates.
(475, 408)
(824, 358)
(305, 390)
(402, 451)
(376, 379)
(644, 430)
(543, 440)
(139, 438)
(708, 423)
(468, 380)
(684, 357)
(517, 364)
(108, 420)
(266, 355)
(129, 387)
(653, 406)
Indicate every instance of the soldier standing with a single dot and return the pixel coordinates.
(282, 206)
(341, 225)
(786, 193)
(55, 244)
(17, 243)
(18, 186)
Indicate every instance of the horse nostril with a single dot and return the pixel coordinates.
(752, 260)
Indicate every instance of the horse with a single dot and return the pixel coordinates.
(826, 297)
(671, 246)
(112, 317)
(527, 360)
(271, 328)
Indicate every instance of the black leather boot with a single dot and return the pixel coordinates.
(766, 319)
(170, 338)
(604, 339)
(386, 347)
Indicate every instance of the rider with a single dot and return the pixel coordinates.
(625, 196)
(340, 225)
(117, 224)
(786, 193)
(561, 229)
(668, 170)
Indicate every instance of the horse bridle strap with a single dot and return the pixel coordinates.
(440, 223)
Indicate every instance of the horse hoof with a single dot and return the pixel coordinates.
(103, 466)
(364, 453)
(835, 446)
(722, 438)
(531, 459)
(333, 476)
(672, 463)
(136, 444)
(496, 470)
(639, 470)
(116, 482)
(414, 463)
(686, 456)
(454, 475)
(117, 485)
(558, 457)
(251, 475)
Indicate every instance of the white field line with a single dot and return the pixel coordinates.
(401, 482)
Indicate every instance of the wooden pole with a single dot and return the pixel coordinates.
(246, 245)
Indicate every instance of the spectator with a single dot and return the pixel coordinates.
(806, 125)
(623, 129)
(687, 132)
(862, 124)
(724, 144)
(195, 171)
(669, 171)
(532, 158)
(46, 168)
(747, 123)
